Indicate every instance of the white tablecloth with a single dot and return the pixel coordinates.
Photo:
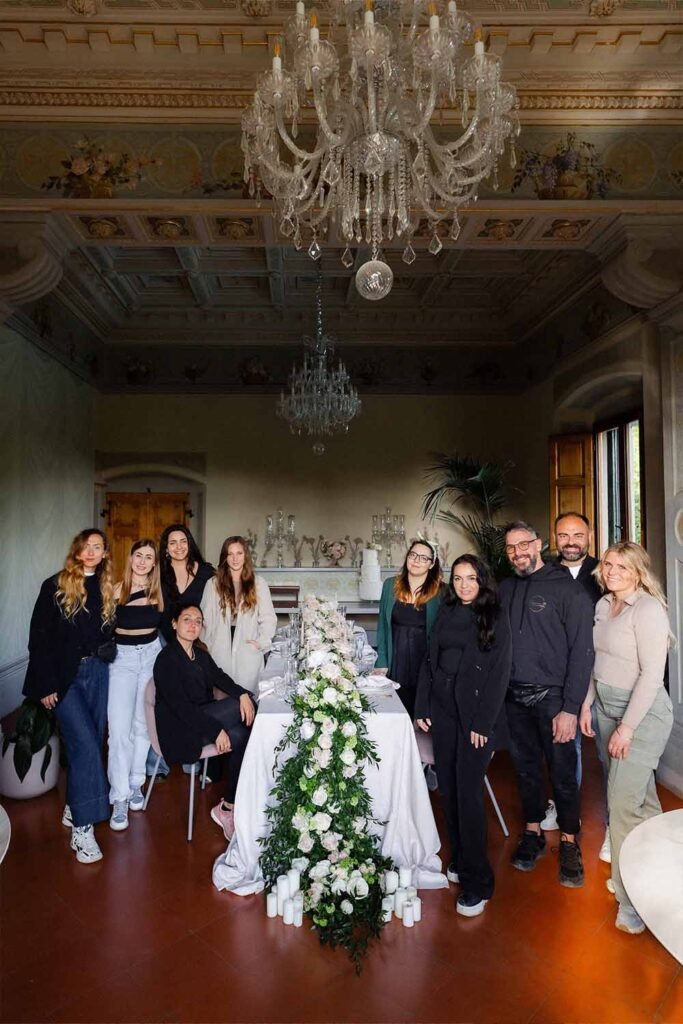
(397, 788)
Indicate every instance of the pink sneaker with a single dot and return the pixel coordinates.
(225, 817)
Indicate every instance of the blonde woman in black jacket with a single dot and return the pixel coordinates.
(460, 696)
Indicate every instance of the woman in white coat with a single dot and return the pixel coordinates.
(239, 618)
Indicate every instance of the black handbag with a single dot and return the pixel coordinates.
(527, 694)
(107, 651)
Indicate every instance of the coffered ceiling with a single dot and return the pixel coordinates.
(184, 282)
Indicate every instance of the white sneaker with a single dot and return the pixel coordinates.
(628, 921)
(609, 885)
(606, 849)
(119, 816)
(549, 823)
(452, 875)
(137, 801)
(84, 843)
(67, 820)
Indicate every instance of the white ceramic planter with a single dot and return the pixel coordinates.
(32, 785)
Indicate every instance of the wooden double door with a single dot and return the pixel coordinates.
(131, 516)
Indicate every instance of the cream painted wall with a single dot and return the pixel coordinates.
(253, 464)
(46, 488)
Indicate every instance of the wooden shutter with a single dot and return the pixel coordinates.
(571, 477)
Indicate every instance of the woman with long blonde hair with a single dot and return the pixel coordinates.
(634, 713)
(138, 615)
(70, 648)
(239, 618)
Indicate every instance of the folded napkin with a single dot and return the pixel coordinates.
(373, 682)
(267, 686)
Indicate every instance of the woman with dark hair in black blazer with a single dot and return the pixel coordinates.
(460, 696)
(184, 573)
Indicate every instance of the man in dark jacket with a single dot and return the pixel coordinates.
(572, 540)
(552, 657)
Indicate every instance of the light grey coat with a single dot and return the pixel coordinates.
(239, 658)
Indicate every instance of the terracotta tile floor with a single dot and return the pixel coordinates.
(144, 936)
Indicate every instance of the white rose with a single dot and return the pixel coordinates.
(346, 907)
(349, 770)
(311, 769)
(307, 729)
(358, 887)
(338, 885)
(324, 741)
(359, 825)
(330, 841)
(315, 892)
(349, 729)
(320, 870)
(300, 821)
(321, 821)
(349, 667)
(322, 757)
(330, 671)
(330, 695)
(334, 856)
(300, 863)
(305, 843)
(319, 799)
(348, 756)
(329, 725)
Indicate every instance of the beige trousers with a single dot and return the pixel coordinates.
(631, 790)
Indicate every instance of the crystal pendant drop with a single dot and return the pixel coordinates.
(436, 245)
(513, 155)
(347, 258)
(374, 280)
(408, 254)
(454, 233)
(287, 227)
(314, 250)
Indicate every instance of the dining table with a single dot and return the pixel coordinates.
(403, 820)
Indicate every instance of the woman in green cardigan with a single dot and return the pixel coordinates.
(407, 611)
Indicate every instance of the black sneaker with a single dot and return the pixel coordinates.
(470, 905)
(571, 864)
(531, 847)
(451, 874)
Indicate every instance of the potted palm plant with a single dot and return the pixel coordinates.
(479, 488)
(28, 734)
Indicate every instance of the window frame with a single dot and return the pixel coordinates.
(621, 424)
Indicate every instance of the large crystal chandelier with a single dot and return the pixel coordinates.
(320, 400)
(376, 167)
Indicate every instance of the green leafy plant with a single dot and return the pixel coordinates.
(480, 488)
(34, 727)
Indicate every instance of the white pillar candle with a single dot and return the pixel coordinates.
(417, 909)
(271, 904)
(282, 892)
(288, 914)
(399, 901)
(408, 914)
(390, 881)
(298, 913)
(387, 908)
(411, 892)
(405, 877)
(294, 881)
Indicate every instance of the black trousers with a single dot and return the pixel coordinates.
(460, 768)
(531, 742)
(227, 714)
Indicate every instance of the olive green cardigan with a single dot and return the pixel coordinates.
(386, 604)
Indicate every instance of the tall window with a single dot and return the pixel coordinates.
(618, 448)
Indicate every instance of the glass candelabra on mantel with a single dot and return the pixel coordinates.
(388, 529)
(276, 536)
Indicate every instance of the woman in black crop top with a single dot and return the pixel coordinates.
(184, 573)
(138, 613)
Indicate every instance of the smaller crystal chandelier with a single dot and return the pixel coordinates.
(320, 400)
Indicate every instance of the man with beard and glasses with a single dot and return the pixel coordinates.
(552, 657)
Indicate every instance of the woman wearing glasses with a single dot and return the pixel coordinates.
(634, 714)
(407, 611)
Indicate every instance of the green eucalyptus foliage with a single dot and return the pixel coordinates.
(34, 727)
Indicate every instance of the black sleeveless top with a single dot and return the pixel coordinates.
(137, 616)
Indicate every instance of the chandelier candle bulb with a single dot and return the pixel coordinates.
(271, 904)
(405, 877)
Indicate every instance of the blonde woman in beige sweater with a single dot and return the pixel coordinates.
(634, 714)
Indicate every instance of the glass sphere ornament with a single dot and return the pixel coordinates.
(374, 280)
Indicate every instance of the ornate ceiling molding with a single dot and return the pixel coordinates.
(32, 251)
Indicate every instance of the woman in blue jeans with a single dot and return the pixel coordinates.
(70, 648)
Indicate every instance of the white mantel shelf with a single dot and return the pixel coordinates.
(340, 584)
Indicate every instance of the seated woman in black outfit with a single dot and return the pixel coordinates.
(460, 697)
(187, 715)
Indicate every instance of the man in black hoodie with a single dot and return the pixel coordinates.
(552, 657)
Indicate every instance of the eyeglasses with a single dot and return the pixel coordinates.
(522, 545)
(422, 559)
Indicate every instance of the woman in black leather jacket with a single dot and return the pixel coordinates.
(460, 697)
